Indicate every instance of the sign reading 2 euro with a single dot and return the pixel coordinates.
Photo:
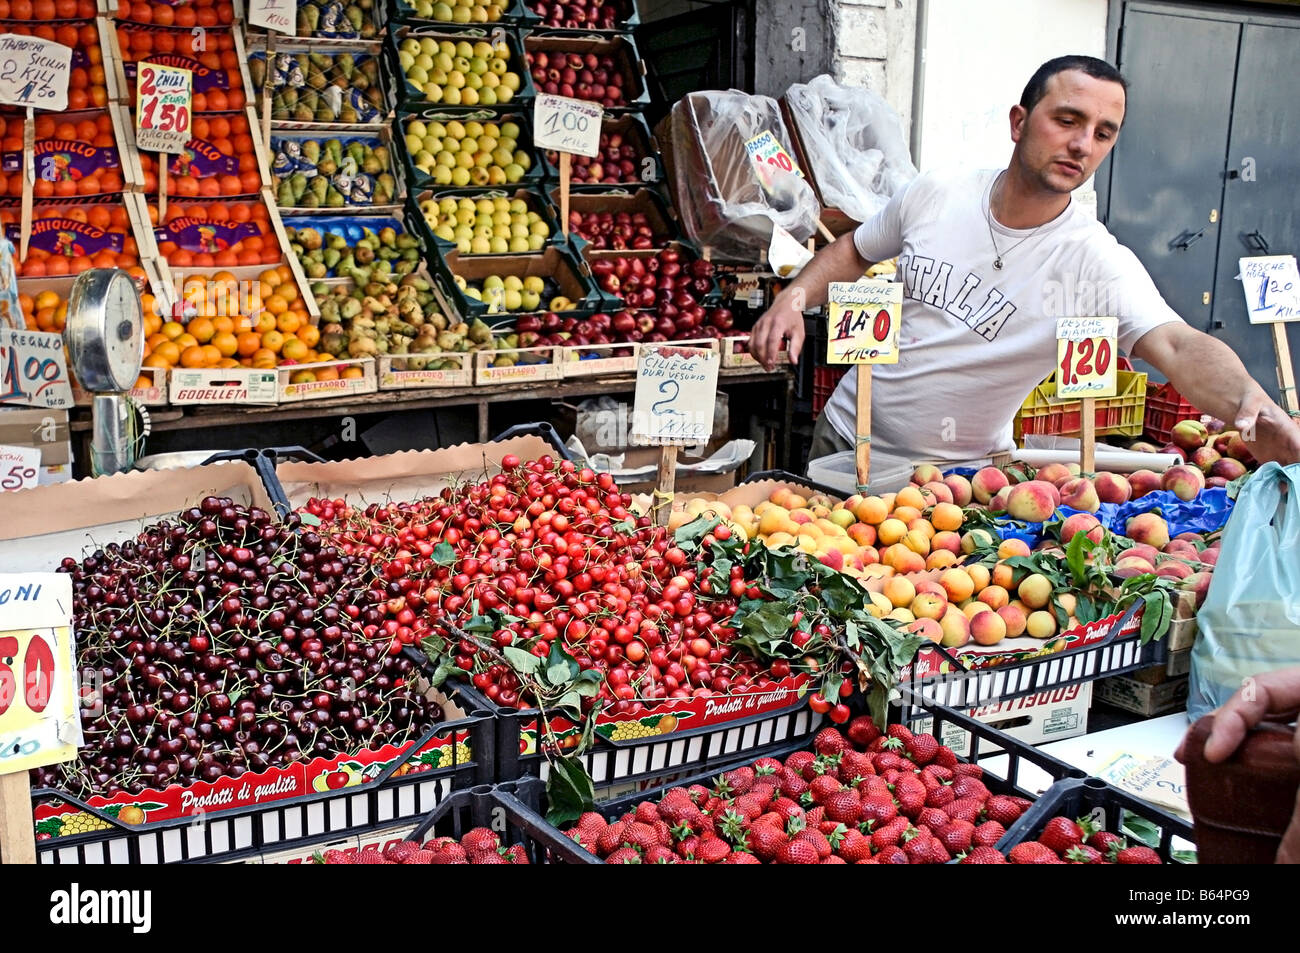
(34, 72)
(1085, 357)
(865, 319)
(676, 388)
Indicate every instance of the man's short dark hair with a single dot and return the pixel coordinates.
(1036, 88)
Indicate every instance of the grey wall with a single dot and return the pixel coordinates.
(783, 56)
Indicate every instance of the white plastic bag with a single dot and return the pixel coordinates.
(723, 203)
(854, 142)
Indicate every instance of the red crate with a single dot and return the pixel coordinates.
(1165, 407)
(825, 380)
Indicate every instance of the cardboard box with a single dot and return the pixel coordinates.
(234, 385)
(1182, 631)
(1034, 719)
(394, 374)
(50, 476)
(38, 427)
(291, 391)
(1141, 698)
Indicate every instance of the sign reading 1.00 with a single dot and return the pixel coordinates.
(162, 112)
(865, 318)
(1085, 357)
(567, 125)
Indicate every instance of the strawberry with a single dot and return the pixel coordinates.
(766, 841)
(830, 741)
(932, 818)
(878, 808)
(922, 748)
(660, 855)
(983, 855)
(1108, 843)
(764, 792)
(946, 757)
(910, 794)
(938, 772)
(699, 793)
(787, 808)
(832, 859)
(640, 835)
(664, 833)
(441, 843)
(590, 821)
(900, 732)
(817, 839)
(891, 855)
(1022, 802)
(765, 767)
(854, 846)
(966, 786)
(862, 731)
(624, 855)
(917, 848)
(886, 760)
(611, 838)
(938, 853)
(969, 770)
(814, 817)
(823, 786)
(421, 857)
(338, 857)
(1138, 855)
(988, 834)
(940, 796)
(712, 850)
(964, 809)
(647, 812)
(887, 834)
(930, 781)
(748, 807)
(855, 765)
(741, 857)
(516, 854)
(844, 806)
(1002, 809)
(452, 853)
(799, 760)
(1060, 834)
(793, 784)
(956, 836)
(370, 856)
(771, 819)
(740, 780)
(480, 838)
(1083, 854)
(874, 786)
(397, 853)
(1032, 852)
(798, 851)
(486, 857)
(686, 847)
(891, 775)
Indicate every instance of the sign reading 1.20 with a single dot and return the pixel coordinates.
(1089, 356)
(1085, 357)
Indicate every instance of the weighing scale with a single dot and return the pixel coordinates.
(105, 338)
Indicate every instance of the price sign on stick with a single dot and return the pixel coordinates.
(162, 107)
(676, 389)
(1085, 368)
(34, 72)
(770, 156)
(865, 319)
(19, 467)
(278, 15)
(33, 371)
(1272, 288)
(39, 721)
(571, 126)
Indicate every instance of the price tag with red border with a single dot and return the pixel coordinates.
(162, 107)
(865, 318)
(1086, 357)
(39, 721)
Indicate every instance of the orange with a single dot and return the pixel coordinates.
(186, 340)
(288, 322)
(276, 304)
(248, 343)
(273, 341)
(202, 329)
(168, 351)
(227, 344)
(211, 354)
(352, 373)
(193, 357)
(156, 360)
(223, 323)
(309, 334)
(294, 350)
(330, 373)
(264, 322)
(172, 330)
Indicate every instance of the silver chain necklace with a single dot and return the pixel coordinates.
(988, 218)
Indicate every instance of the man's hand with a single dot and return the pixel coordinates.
(1269, 431)
(1272, 696)
(781, 322)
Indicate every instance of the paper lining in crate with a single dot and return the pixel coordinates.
(298, 382)
(591, 360)
(395, 374)
(527, 364)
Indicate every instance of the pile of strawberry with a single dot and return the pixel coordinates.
(1064, 841)
(868, 798)
(478, 846)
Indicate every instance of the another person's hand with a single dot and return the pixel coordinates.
(1275, 433)
(782, 321)
(1272, 696)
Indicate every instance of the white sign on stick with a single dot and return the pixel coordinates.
(567, 125)
(1085, 357)
(20, 467)
(33, 371)
(676, 388)
(1272, 288)
(34, 72)
(277, 15)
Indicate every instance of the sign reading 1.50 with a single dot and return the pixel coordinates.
(157, 112)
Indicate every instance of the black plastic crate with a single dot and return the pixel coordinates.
(1110, 809)
(278, 825)
(785, 476)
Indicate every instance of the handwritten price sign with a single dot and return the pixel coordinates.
(19, 467)
(865, 318)
(33, 372)
(162, 107)
(278, 15)
(566, 125)
(34, 72)
(1272, 288)
(769, 155)
(676, 388)
(1085, 357)
(39, 723)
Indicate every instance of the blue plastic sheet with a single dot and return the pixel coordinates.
(1207, 513)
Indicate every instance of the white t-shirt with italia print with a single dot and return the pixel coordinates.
(974, 339)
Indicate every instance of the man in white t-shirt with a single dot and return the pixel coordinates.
(988, 261)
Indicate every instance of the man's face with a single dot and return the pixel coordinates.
(1069, 132)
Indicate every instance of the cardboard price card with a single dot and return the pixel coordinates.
(162, 107)
(769, 156)
(1272, 288)
(277, 15)
(33, 372)
(676, 389)
(34, 72)
(39, 721)
(567, 125)
(19, 467)
(1085, 357)
(865, 320)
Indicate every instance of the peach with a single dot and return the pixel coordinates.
(988, 628)
(1054, 473)
(842, 517)
(940, 559)
(1012, 547)
(891, 531)
(995, 597)
(974, 608)
(939, 491)
(1210, 556)
(899, 591)
(929, 606)
(976, 539)
(1184, 482)
(910, 496)
(1081, 494)
(1015, 620)
(1112, 488)
(1205, 458)
(802, 517)
(773, 520)
(986, 483)
(901, 615)
(1018, 472)
(1228, 469)
(1144, 446)
(1008, 577)
(1222, 440)
(979, 575)
(926, 628)
(862, 534)
(1143, 482)
(1084, 523)
(948, 540)
(1143, 551)
(1068, 601)
(1199, 583)
(946, 516)
(880, 605)
(923, 526)
(1174, 450)
(1149, 528)
(1174, 569)
(999, 502)
(902, 559)
(1130, 566)
(955, 628)
(869, 555)
(1215, 483)
(1189, 434)
(927, 473)
(931, 587)
(960, 489)
(1035, 591)
(1040, 625)
(957, 584)
(833, 558)
(1033, 502)
(872, 510)
(1238, 449)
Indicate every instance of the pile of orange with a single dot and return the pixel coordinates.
(259, 249)
(229, 135)
(109, 217)
(215, 50)
(94, 129)
(47, 10)
(225, 322)
(86, 89)
(205, 13)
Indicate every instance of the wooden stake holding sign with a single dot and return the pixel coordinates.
(162, 117)
(571, 127)
(39, 720)
(1085, 368)
(33, 73)
(865, 319)
(1272, 288)
(676, 389)
(274, 16)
